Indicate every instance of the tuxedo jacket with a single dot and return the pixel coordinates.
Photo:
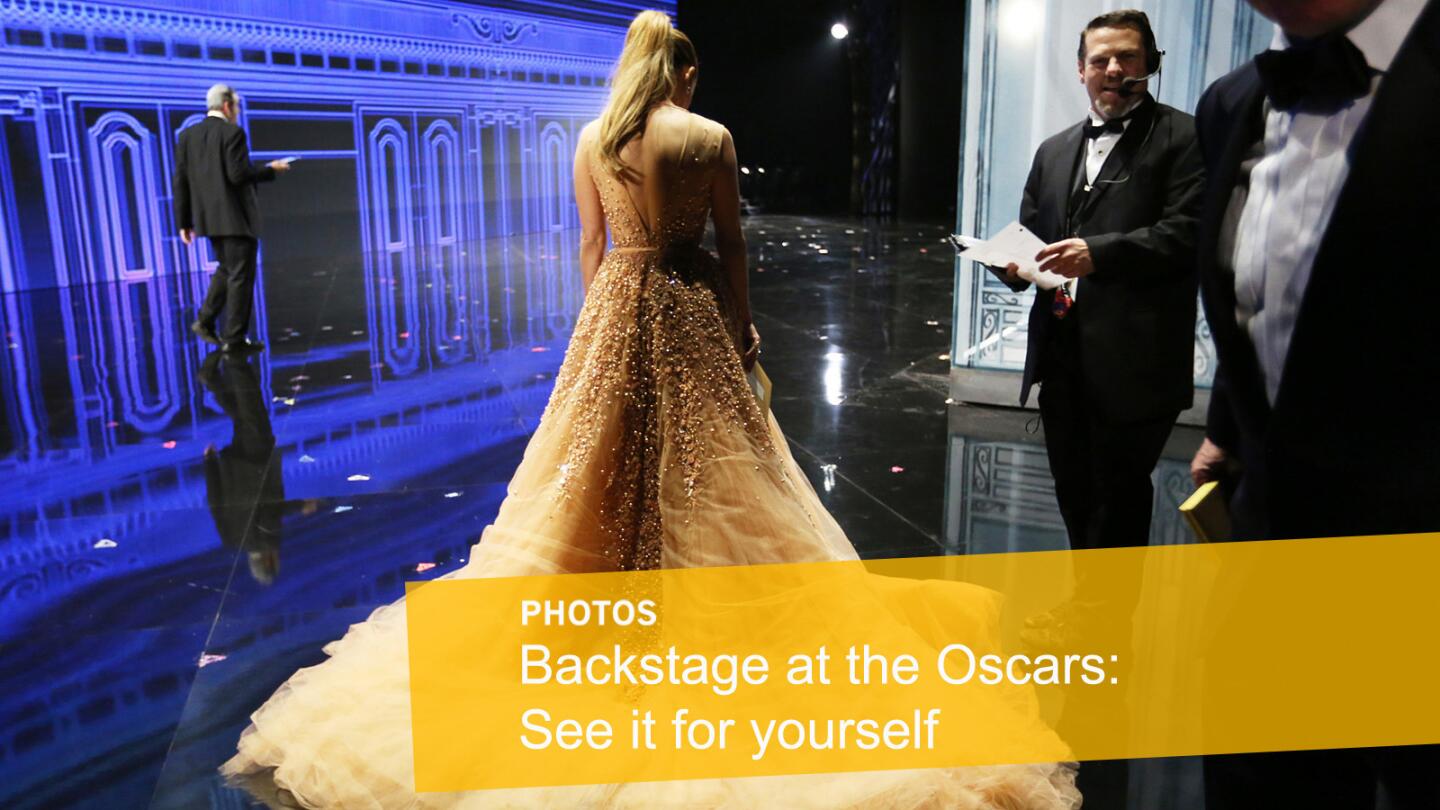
(1136, 311)
(214, 183)
(1351, 444)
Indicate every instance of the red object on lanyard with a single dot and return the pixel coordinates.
(1063, 301)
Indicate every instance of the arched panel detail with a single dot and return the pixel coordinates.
(124, 166)
(392, 247)
(141, 332)
(441, 157)
(556, 190)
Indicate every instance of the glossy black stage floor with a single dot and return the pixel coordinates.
(183, 532)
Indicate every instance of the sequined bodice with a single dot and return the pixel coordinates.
(687, 156)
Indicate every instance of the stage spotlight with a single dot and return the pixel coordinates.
(839, 31)
(744, 169)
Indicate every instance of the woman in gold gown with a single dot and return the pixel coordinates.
(652, 452)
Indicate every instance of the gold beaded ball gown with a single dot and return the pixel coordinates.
(652, 452)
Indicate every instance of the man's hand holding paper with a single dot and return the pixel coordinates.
(1015, 246)
(1068, 257)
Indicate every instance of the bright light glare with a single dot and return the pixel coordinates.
(744, 169)
(834, 366)
(1020, 20)
(839, 31)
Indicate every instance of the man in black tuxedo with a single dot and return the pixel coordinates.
(1318, 208)
(214, 190)
(1117, 197)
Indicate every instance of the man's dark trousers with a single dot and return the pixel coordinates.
(1101, 467)
(232, 287)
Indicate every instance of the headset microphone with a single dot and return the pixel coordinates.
(1127, 86)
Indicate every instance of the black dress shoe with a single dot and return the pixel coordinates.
(243, 346)
(205, 333)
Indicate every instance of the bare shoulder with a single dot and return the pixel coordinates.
(712, 129)
(711, 139)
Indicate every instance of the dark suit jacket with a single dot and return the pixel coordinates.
(1352, 443)
(1136, 312)
(214, 182)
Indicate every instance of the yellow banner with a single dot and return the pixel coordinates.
(924, 663)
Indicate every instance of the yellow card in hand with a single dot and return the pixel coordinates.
(1207, 513)
(760, 386)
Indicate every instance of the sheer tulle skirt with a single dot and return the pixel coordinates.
(651, 453)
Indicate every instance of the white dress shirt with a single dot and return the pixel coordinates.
(1097, 151)
(1293, 189)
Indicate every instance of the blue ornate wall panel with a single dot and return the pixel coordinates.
(436, 142)
(1020, 87)
(95, 92)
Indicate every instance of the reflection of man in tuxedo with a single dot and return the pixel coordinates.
(214, 188)
(1117, 197)
(1318, 210)
(243, 482)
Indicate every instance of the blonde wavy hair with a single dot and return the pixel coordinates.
(655, 55)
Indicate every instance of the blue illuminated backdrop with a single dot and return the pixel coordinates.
(424, 129)
(423, 245)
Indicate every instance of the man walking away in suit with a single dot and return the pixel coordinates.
(1318, 225)
(214, 190)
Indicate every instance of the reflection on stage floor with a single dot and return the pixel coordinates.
(184, 530)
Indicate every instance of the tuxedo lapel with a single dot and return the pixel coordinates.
(1060, 174)
(1398, 132)
(1389, 160)
(1217, 276)
(1249, 128)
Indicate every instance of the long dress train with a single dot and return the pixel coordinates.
(652, 452)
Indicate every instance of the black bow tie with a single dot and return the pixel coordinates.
(1319, 77)
(1113, 125)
